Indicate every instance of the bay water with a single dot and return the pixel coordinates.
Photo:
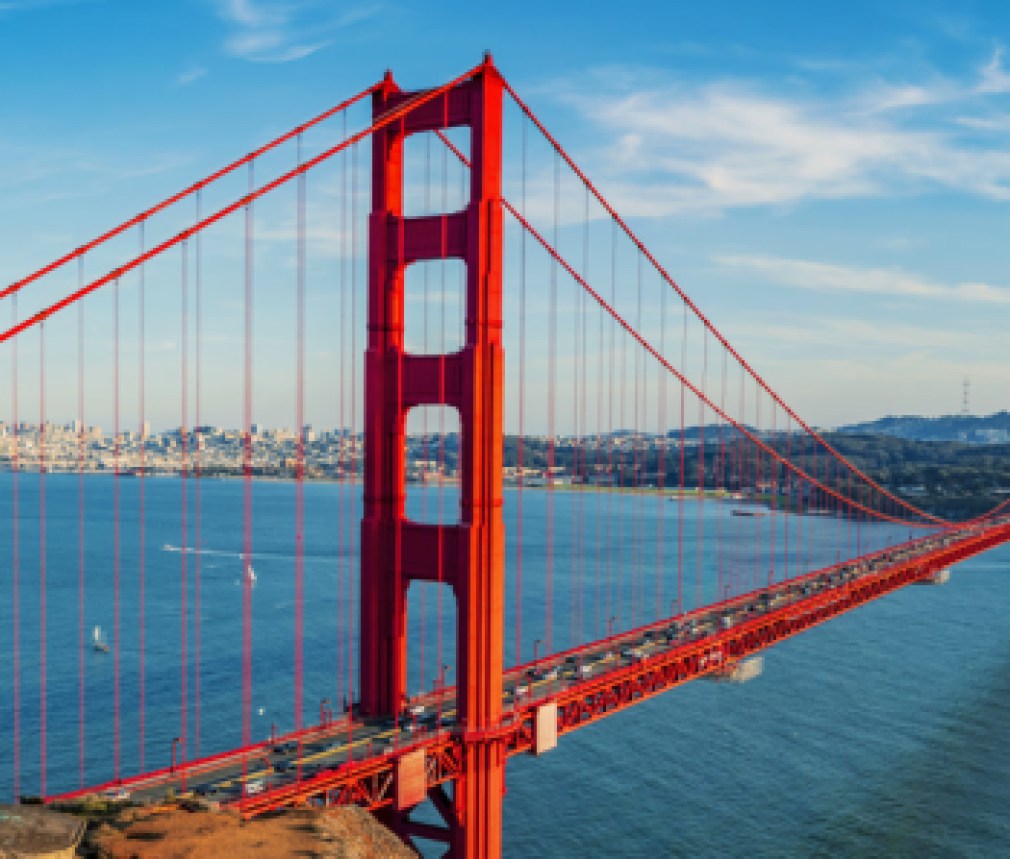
(882, 733)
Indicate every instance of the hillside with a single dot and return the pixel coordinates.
(973, 429)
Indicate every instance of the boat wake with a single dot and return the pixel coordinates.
(241, 556)
(192, 550)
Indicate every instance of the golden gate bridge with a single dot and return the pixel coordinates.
(493, 282)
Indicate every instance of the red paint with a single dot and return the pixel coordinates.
(469, 557)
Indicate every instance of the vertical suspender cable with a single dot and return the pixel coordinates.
(575, 611)
(426, 277)
(683, 471)
(522, 407)
(611, 328)
(197, 473)
(344, 516)
(661, 463)
(16, 553)
(773, 498)
(43, 632)
(184, 502)
(799, 498)
(552, 362)
(142, 500)
(800, 506)
(699, 549)
(758, 473)
(637, 575)
(247, 464)
(81, 734)
(601, 609)
(300, 449)
(300, 445)
(623, 579)
(354, 386)
(586, 432)
(721, 481)
(584, 429)
(850, 514)
(788, 506)
(742, 470)
(813, 503)
(117, 543)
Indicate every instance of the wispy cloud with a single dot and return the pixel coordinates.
(832, 277)
(729, 143)
(994, 78)
(841, 332)
(282, 31)
(191, 76)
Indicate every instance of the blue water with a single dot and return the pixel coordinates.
(881, 733)
(884, 733)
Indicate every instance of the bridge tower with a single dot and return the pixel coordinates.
(468, 556)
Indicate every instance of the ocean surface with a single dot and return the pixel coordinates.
(885, 732)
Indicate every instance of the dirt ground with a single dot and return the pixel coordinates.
(176, 833)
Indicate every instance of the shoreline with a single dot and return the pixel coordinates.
(674, 493)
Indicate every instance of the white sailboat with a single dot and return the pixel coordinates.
(98, 641)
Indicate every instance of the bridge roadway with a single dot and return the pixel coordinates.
(359, 761)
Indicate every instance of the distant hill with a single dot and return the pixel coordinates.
(973, 429)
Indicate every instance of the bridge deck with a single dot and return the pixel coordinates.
(351, 761)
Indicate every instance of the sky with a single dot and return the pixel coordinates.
(828, 182)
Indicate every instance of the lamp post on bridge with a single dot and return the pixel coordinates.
(175, 746)
(441, 691)
(610, 625)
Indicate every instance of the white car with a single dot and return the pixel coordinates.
(254, 787)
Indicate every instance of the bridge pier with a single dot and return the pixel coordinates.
(468, 556)
(740, 670)
(937, 577)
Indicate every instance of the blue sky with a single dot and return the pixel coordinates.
(829, 182)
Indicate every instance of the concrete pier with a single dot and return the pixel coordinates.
(940, 577)
(740, 671)
(34, 831)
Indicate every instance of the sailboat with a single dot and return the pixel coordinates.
(98, 641)
(250, 574)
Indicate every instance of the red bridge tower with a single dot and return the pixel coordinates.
(468, 556)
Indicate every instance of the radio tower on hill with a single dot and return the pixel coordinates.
(964, 399)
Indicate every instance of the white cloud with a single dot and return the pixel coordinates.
(281, 31)
(191, 76)
(883, 97)
(994, 78)
(821, 276)
(678, 149)
(841, 332)
(248, 14)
